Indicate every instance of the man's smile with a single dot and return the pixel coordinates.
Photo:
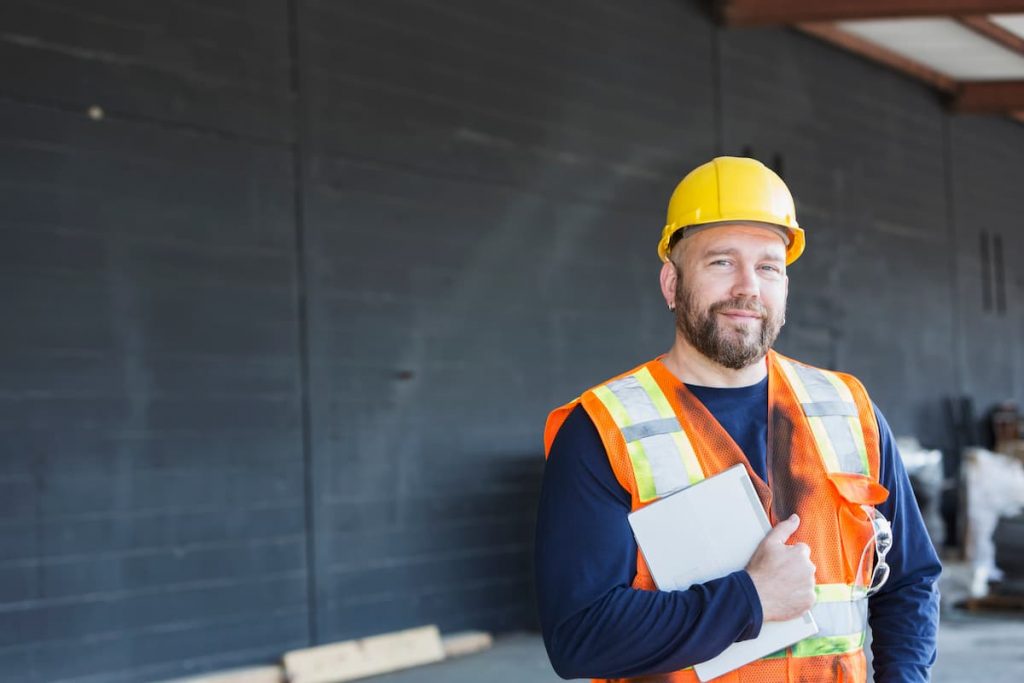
(734, 314)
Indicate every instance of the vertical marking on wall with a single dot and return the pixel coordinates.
(302, 303)
(999, 274)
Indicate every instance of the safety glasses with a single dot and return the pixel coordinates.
(881, 541)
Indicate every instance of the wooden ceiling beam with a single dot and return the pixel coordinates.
(830, 33)
(984, 26)
(989, 97)
(780, 12)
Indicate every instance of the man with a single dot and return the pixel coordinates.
(821, 457)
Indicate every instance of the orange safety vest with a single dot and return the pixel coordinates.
(823, 460)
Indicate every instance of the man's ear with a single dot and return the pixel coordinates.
(668, 279)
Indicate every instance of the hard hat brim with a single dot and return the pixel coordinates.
(794, 235)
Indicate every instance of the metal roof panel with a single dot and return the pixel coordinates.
(944, 45)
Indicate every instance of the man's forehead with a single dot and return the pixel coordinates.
(736, 238)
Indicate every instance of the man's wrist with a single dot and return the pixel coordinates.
(754, 601)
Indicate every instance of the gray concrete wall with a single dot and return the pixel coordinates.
(282, 327)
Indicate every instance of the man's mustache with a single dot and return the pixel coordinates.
(740, 304)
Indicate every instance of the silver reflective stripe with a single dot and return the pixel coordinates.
(823, 393)
(635, 432)
(667, 467)
(818, 386)
(838, 429)
(652, 431)
(634, 399)
(822, 408)
(840, 618)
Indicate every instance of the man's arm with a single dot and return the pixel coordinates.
(594, 623)
(904, 615)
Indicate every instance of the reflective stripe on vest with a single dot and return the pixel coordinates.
(832, 416)
(842, 622)
(661, 454)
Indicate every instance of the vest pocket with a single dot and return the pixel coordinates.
(855, 528)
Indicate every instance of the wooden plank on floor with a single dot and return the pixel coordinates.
(354, 659)
(252, 674)
(466, 643)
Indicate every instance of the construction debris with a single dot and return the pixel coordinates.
(995, 488)
(924, 467)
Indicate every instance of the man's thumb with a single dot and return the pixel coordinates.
(784, 529)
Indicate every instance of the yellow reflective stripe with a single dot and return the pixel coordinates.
(645, 487)
(833, 592)
(829, 645)
(614, 406)
(682, 441)
(654, 392)
(858, 441)
(825, 448)
(840, 385)
(855, 427)
(689, 457)
(824, 443)
(637, 456)
(794, 380)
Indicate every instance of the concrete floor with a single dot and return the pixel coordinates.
(972, 647)
(976, 646)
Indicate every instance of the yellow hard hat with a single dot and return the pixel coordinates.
(733, 190)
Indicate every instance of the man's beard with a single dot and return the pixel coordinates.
(737, 348)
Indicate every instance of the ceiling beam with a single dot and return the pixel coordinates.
(989, 97)
(777, 12)
(830, 33)
(993, 31)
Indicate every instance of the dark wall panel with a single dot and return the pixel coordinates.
(987, 185)
(152, 477)
(218, 66)
(467, 162)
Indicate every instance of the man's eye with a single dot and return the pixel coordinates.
(773, 269)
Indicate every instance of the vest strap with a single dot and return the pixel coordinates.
(832, 415)
(659, 450)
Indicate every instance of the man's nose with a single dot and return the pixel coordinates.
(746, 284)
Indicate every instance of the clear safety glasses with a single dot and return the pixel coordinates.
(881, 542)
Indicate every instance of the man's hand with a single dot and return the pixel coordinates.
(783, 574)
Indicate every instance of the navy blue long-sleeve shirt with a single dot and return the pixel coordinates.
(596, 625)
